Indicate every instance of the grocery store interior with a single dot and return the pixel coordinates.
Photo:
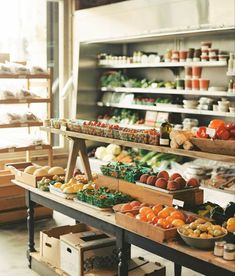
(117, 137)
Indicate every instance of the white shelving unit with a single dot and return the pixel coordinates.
(168, 91)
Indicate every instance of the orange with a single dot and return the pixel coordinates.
(169, 209)
(163, 223)
(150, 216)
(130, 214)
(141, 217)
(177, 215)
(155, 220)
(177, 222)
(157, 208)
(170, 219)
(163, 214)
(126, 207)
(216, 123)
(231, 225)
(145, 210)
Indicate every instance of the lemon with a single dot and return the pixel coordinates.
(58, 185)
(68, 190)
(231, 225)
(64, 186)
(77, 187)
(88, 186)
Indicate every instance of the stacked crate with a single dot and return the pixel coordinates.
(12, 201)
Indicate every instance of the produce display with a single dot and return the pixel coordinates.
(165, 181)
(128, 172)
(102, 197)
(159, 215)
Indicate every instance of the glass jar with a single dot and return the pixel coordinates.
(219, 248)
(229, 252)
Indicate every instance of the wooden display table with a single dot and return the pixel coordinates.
(201, 261)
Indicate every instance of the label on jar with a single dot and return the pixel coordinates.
(164, 142)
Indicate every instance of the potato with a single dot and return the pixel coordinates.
(30, 169)
(40, 172)
(56, 170)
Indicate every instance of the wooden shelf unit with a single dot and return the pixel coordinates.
(28, 77)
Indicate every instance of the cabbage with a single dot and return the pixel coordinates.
(100, 152)
(113, 149)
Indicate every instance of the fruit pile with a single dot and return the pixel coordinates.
(45, 182)
(217, 129)
(102, 197)
(158, 215)
(202, 229)
(74, 185)
(164, 181)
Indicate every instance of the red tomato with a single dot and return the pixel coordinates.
(230, 126)
(222, 133)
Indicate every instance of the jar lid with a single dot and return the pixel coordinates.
(229, 246)
(220, 243)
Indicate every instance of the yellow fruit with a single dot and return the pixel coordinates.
(77, 187)
(58, 185)
(64, 186)
(231, 225)
(68, 190)
(88, 186)
(72, 181)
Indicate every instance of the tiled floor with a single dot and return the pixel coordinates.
(13, 245)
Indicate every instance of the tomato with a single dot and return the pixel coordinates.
(230, 126)
(222, 133)
(201, 133)
(232, 132)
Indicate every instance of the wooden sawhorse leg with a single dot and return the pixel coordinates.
(78, 147)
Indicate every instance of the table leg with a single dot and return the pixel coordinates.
(84, 158)
(30, 225)
(72, 159)
(178, 269)
(123, 254)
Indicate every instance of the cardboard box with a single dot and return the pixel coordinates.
(81, 252)
(137, 267)
(50, 241)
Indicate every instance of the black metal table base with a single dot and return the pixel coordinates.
(124, 239)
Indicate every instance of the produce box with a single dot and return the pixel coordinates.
(50, 241)
(5, 177)
(81, 252)
(145, 229)
(12, 202)
(18, 170)
(137, 267)
(7, 188)
(143, 194)
(226, 147)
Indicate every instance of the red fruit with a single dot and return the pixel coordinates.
(230, 126)
(163, 174)
(161, 183)
(151, 180)
(144, 178)
(222, 133)
(135, 203)
(155, 220)
(232, 132)
(181, 181)
(201, 133)
(192, 182)
(174, 176)
(173, 185)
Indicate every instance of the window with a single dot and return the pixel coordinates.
(31, 31)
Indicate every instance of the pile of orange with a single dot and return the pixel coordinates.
(165, 217)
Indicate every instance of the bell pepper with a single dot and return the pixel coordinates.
(201, 133)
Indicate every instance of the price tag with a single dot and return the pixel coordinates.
(38, 147)
(24, 125)
(11, 150)
(210, 132)
(178, 202)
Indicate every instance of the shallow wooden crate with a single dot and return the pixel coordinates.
(226, 147)
(107, 181)
(12, 203)
(145, 229)
(21, 214)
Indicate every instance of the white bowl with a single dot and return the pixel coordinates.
(232, 109)
(223, 104)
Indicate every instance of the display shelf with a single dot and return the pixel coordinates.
(27, 148)
(14, 125)
(166, 109)
(167, 64)
(24, 101)
(24, 76)
(182, 152)
(167, 91)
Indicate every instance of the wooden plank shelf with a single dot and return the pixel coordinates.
(24, 76)
(166, 64)
(167, 91)
(14, 125)
(27, 148)
(24, 101)
(182, 152)
(168, 107)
